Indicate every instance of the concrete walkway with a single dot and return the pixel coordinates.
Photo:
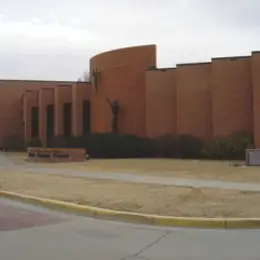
(29, 233)
(168, 181)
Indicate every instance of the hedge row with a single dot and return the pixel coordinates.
(109, 145)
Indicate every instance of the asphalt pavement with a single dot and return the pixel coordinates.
(28, 233)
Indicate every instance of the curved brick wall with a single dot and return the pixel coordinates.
(121, 75)
(232, 96)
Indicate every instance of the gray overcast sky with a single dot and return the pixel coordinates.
(54, 39)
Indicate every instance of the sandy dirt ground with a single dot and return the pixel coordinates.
(144, 198)
(192, 169)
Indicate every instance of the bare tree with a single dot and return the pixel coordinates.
(85, 77)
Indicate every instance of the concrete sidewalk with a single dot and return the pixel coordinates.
(168, 181)
(37, 233)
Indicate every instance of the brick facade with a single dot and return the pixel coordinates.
(205, 100)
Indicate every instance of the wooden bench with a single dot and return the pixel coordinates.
(56, 154)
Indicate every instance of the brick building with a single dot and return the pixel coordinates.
(202, 99)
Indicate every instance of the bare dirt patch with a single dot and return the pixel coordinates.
(192, 169)
(152, 199)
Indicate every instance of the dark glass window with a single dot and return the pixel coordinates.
(86, 117)
(35, 122)
(50, 121)
(67, 118)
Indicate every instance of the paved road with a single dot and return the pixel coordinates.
(29, 233)
(6, 163)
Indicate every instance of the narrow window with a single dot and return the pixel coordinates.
(50, 121)
(67, 118)
(86, 117)
(35, 122)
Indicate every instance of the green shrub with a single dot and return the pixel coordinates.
(168, 146)
(147, 148)
(182, 146)
(217, 149)
(14, 143)
(108, 145)
(35, 142)
(229, 147)
(190, 147)
(238, 143)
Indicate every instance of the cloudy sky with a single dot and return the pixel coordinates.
(54, 39)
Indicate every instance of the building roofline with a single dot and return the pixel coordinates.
(46, 89)
(160, 69)
(231, 57)
(167, 68)
(124, 48)
(43, 81)
(65, 85)
(193, 64)
(82, 82)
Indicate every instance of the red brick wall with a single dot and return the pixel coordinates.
(194, 100)
(62, 94)
(231, 95)
(122, 77)
(80, 92)
(255, 68)
(46, 97)
(160, 102)
(11, 104)
(30, 99)
(203, 99)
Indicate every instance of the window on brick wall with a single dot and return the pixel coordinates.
(50, 121)
(86, 117)
(35, 122)
(67, 118)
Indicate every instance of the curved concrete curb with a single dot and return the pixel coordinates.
(208, 223)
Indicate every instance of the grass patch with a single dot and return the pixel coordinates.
(144, 198)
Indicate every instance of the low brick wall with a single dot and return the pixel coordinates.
(56, 155)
